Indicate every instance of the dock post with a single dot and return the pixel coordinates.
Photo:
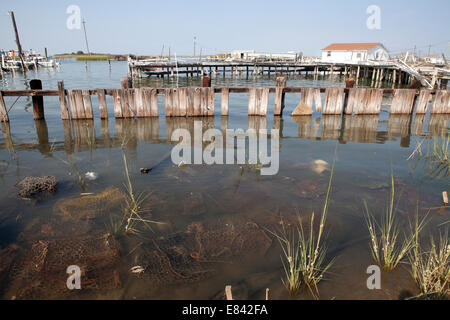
(206, 81)
(225, 98)
(62, 101)
(38, 101)
(3, 112)
(279, 96)
(102, 104)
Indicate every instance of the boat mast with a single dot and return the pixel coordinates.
(85, 37)
(19, 47)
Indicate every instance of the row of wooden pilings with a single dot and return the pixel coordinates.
(199, 101)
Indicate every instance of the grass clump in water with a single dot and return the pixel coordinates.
(431, 269)
(304, 253)
(386, 245)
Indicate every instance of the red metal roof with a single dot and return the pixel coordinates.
(350, 46)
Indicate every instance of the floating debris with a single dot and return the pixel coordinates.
(31, 186)
(90, 206)
(91, 175)
(319, 166)
(145, 170)
(137, 269)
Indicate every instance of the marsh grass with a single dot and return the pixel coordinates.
(387, 245)
(436, 157)
(304, 253)
(431, 269)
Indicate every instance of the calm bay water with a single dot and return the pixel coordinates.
(214, 222)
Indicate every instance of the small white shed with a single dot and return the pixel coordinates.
(354, 52)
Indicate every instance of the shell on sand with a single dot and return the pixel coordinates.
(319, 166)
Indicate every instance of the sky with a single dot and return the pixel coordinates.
(144, 27)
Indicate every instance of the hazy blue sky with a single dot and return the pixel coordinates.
(143, 27)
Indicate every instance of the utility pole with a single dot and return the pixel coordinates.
(85, 37)
(195, 39)
(19, 47)
(429, 49)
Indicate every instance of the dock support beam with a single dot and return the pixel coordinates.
(38, 101)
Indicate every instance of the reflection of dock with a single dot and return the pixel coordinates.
(81, 136)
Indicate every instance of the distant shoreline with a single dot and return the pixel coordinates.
(91, 57)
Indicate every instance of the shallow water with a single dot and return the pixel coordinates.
(215, 220)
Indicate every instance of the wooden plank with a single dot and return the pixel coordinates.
(140, 102)
(307, 97)
(131, 102)
(182, 102)
(197, 102)
(334, 101)
(72, 104)
(102, 104)
(87, 104)
(252, 102)
(175, 102)
(62, 101)
(146, 103)
(153, 102)
(211, 102)
(117, 99)
(168, 102)
(403, 101)
(441, 103)
(423, 101)
(204, 100)
(79, 104)
(318, 99)
(224, 101)
(190, 102)
(353, 100)
(126, 112)
(374, 98)
(264, 101)
(3, 112)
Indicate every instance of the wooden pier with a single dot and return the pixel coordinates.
(396, 73)
(199, 101)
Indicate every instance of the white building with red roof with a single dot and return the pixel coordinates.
(354, 52)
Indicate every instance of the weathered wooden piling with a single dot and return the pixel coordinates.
(423, 101)
(403, 101)
(258, 99)
(87, 104)
(38, 101)
(441, 102)
(279, 96)
(364, 101)
(102, 104)
(62, 101)
(334, 101)
(3, 112)
(224, 101)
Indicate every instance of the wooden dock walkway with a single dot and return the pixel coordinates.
(199, 101)
(396, 73)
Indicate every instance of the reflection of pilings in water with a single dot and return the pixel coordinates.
(224, 124)
(126, 132)
(257, 123)
(67, 137)
(418, 125)
(278, 123)
(438, 124)
(304, 126)
(330, 127)
(147, 129)
(6, 132)
(104, 127)
(83, 135)
(400, 126)
(315, 128)
(173, 123)
(362, 128)
(42, 134)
